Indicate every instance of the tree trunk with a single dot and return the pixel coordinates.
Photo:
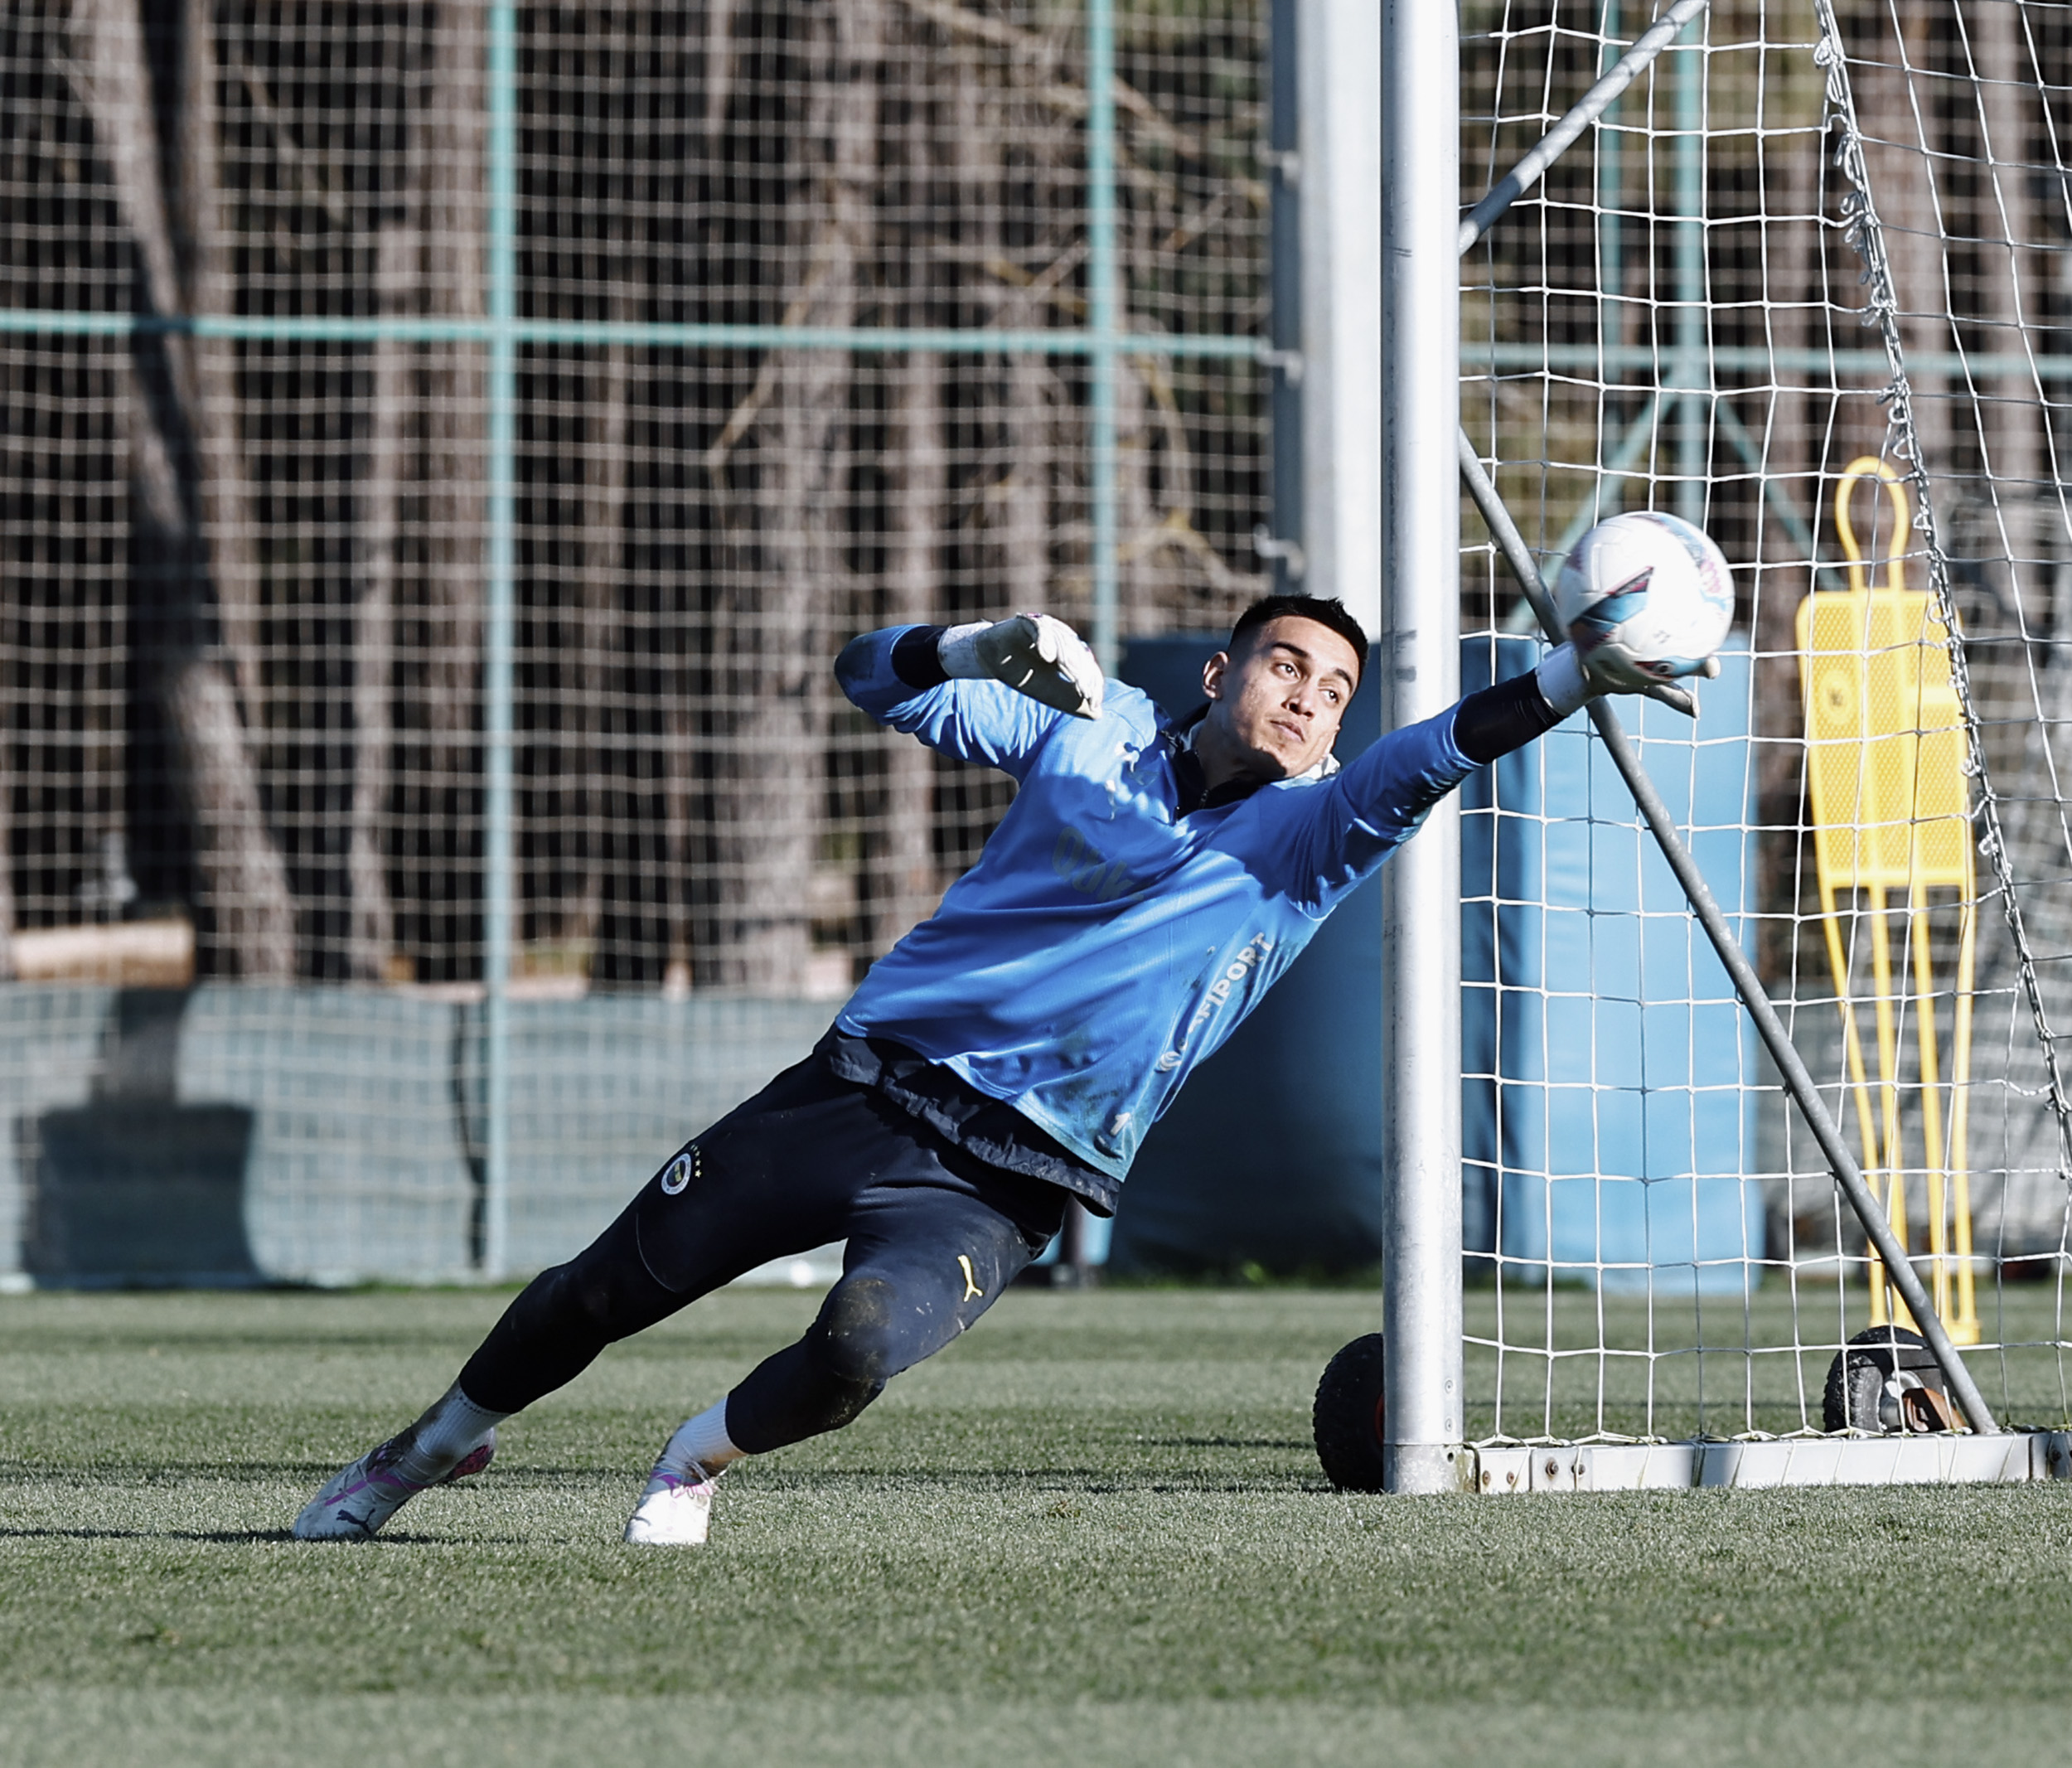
(370, 942)
(597, 638)
(1025, 520)
(718, 66)
(1021, 523)
(906, 889)
(903, 887)
(456, 403)
(2014, 282)
(185, 461)
(1910, 209)
(778, 633)
(677, 975)
(1794, 431)
(229, 521)
(7, 679)
(245, 882)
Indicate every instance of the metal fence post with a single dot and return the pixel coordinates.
(499, 638)
(1283, 550)
(1420, 647)
(1103, 314)
(1339, 135)
(1693, 377)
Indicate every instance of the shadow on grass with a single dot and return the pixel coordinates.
(221, 1537)
(269, 1537)
(1227, 1442)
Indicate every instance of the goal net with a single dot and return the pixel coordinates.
(1805, 284)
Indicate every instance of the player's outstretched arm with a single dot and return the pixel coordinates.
(914, 679)
(1378, 800)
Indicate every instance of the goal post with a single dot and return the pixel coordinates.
(1419, 646)
(1786, 244)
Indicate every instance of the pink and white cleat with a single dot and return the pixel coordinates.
(675, 1510)
(357, 1499)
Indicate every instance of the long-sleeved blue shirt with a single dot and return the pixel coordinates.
(1105, 943)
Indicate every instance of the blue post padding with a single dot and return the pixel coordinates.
(1607, 1069)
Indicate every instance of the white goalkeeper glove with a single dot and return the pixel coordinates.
(1568, 681)
(1034, 654)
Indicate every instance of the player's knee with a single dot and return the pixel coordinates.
(853, 1340)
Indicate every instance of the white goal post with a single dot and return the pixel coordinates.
(1738, 261)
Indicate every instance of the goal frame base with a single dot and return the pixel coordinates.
(2016, 1457)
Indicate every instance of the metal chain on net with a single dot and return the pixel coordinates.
(1865, 233)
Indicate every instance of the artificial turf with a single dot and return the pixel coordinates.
(1094, 1530)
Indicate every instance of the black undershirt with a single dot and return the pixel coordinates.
(1493, 721)
(917, 659)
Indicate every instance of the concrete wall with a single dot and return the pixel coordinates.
(263, 1134)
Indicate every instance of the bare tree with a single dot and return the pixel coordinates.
(201, 237)
(187, 477)
(906, 887)
(1026, 516)
(2014, 282)
(456, 407)
(7, 794)
(676, 835)
(597, 636)
(775, 618)
(371, 939)
(718, 66)
(679, 723)
(1909, 202)
(1022, 492)
(903, 884)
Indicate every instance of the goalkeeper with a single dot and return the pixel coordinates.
(1148, 885)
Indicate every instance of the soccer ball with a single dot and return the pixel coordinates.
(1646, 598)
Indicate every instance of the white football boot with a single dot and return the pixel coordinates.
(676, 1509)
(361, 1496)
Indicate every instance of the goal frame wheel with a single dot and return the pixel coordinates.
(1856, 1396)
(1350, 1417)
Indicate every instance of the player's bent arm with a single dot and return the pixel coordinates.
(897, 676)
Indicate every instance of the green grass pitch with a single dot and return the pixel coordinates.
(1093, 1532)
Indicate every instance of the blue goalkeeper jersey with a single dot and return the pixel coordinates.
(1105, 943)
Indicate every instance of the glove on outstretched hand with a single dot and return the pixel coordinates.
(1568, 680)
(1034, 655)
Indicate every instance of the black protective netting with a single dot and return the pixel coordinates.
(245, 575)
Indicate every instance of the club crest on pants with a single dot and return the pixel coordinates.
(681, 1172)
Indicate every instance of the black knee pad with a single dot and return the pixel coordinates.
(853, 1340)
(794, 1395)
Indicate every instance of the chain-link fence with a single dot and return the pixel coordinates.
(444, 445)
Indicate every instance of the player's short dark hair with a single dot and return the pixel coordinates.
(1325, 611)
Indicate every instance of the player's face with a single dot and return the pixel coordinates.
(1277, 704)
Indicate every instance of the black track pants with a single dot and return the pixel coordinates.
(934, 1236)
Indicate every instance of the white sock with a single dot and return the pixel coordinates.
(452, 1426)
(701, 1442)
